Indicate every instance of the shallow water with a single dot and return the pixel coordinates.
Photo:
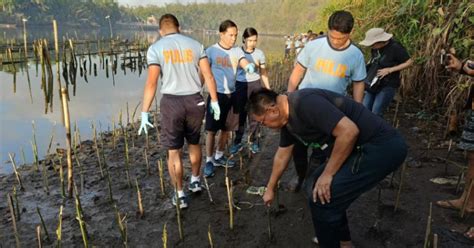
(97, 100)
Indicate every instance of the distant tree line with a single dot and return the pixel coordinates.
(73, 12)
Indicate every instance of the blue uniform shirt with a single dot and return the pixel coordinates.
(331, 69)
(258, 58)
(178, 56)
(224, 63)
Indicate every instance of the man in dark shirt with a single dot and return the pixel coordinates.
(362, 150)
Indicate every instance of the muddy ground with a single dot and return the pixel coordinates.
(373, 222)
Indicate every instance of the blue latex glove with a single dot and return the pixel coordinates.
(215, 110)
(250, 68)
(144, 123)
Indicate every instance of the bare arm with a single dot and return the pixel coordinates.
(358, 88)
(346, 133)
(295, 77)
(401, 66)
(150, 86)
(280, 163)
(264, 76)
(385, 71)
(208, 78)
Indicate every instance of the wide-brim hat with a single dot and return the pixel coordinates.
(375, 35)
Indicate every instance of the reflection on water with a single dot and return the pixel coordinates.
(99, 96)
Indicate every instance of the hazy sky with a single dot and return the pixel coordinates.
(162, 2)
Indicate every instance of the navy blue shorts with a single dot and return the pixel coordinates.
(181, 118)
(227, 121)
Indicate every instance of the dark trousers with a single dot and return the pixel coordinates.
(243, 91)
(364, 168)
(300, 159)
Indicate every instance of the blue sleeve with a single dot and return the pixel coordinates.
(152, 57)
(303, 57)
(359, 72)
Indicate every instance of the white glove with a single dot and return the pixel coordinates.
(144, 123)
(216, 110)
(250, 68)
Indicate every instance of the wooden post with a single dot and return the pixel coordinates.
(68, 141)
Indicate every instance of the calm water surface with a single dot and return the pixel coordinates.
(97, 100)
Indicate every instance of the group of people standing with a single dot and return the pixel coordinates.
(230, 73)
(354, 146)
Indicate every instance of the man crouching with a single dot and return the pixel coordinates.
(361, 146)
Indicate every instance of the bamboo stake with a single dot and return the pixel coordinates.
(208, 190)
(160, 173)
(23, 157)
(97, 149)
(148, 172)
(17, 174)
(109, 185)
(231, 206)
(61, 175)
(178, 212)
(79, 218)
(122, 226)
(127, 164)
(141, 211)
(17, 204)
(435, 240)
(209, 236)
(70, 179)
(164, 238)
(45, 179)
(12, 213)
(60, 227)
(426, 244)
(35, 148)
(466, 199)
(402, 176)
(43, 224)
(81, 169)
(38, 236)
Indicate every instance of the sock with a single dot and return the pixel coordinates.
(209, 159)
(219, 154)
(195, 178)
(180, 193)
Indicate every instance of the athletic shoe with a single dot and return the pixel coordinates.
(254, 148)
(209, 169)
(183, 201)
(223, 161)
(236, 148)
(195, 186)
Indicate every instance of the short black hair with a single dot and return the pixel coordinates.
(249, 32)
(341, 21)
(169, 20)
(260, 100)
(225, 25)
(310, 31)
